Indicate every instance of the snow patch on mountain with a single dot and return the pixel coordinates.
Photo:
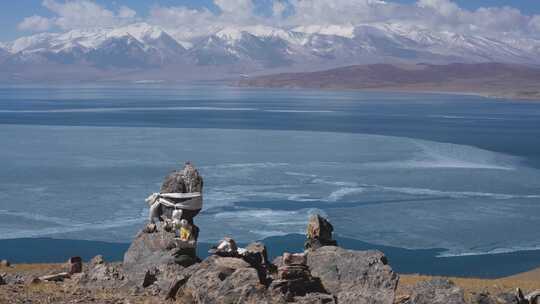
(258, 47)
(346, 31)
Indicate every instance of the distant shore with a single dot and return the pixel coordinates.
(493, 80)
(405, 261)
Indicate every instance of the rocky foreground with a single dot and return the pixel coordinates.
(152, 273)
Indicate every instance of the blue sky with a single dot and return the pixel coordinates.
(12, 13)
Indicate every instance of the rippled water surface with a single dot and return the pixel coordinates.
(414, 171)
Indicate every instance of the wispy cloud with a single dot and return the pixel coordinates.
(35, 24)
(77, 14)
(188, 22)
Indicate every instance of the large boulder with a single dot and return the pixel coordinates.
(354, 276)
(437, 291)
(319, 233)
(153, 250)
(149, 250)
(225, 280)
(487, 298)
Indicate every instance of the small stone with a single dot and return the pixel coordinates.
(58, 277)
(74, 265)
(149, 278)
(319, 233)
(150, 228)
(33, 280)
(437, 291)
(2, 281)
(97, 260)
(294, 259)
(5, 263)
(293, 272)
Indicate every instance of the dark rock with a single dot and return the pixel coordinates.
(2, 280)
(319, 233)
(224, 280)
(150, 228)
(13, 279)
(294, 259)
(149, 278)
(293, 272)
(33, 280)
(506, 298)
(5, 263)
(315, 298)
(437, 291)
(259, 253)
(187, 180)
(484, 298)
(487, 298)
(530, 298)
(74, 265)
(354, 276)
(257, 257)
(297, 287)
(178, 282)
(148, 251)
(103, 272)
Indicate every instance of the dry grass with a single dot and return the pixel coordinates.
(32, 268)
(50, 292)
(528, 281)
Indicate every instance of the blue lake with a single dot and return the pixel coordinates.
(413, 171)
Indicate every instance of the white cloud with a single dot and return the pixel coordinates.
(235, 6)
(188, 23)
(35, 24)
(185, 22)
(126, 13)
(77, 14)
(534, 24)
(278, 8)
(445, 8)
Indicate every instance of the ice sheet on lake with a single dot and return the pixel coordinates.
(90, 183)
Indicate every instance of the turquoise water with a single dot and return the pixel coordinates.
(405, 170)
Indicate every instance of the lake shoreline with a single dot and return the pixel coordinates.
(405, 261)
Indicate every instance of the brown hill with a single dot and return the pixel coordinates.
(488, 79)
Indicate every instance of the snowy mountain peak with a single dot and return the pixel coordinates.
(141, 31)
(258, 47)
(346, 31)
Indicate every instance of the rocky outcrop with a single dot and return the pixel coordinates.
(437, 291)
(224, 280)
(325, 274)
(354, 276)
(319, 233)
(148, 251)
(487, 298)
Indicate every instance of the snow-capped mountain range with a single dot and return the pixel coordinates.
(145, 49)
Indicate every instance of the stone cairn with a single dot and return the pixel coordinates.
(319, 233)
(176, 209)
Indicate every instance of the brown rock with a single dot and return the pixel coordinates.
(33, 280)
(293, 272)
(294, 259)
(5, 263)
(319, 233)
(437, 291)
(224, 280)
(74, 265)
(358, 277)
